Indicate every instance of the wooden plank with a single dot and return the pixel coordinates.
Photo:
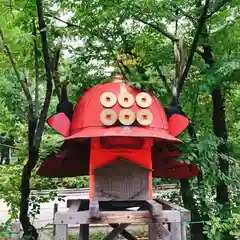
(184, 231)
(124, 233)
(74, 206)
(82, 217)
(152, 232)
(84, 228)
(154, 208)
(61, 232)
(94, 209)
(114, 233)
(171, 205)
(55, 209)
(185, 214)
(84, 232)
(16, 229)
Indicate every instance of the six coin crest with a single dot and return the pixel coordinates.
(126, 116)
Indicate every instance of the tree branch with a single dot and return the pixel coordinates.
(187, 15)
(36, 68)
(158, 28)
(193, 47)
(95, 34)
(55, 74)
(217, 6)
(21, 81)
(47, 64)
(122, 68)
(62, 21)
(163, 78)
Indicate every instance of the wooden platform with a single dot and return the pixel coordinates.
(164, 219)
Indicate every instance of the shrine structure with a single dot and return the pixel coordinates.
(120, 137)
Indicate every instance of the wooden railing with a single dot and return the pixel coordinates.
(85, 191)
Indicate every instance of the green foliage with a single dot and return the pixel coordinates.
(10, 179)
(10, 182)
(218, 229)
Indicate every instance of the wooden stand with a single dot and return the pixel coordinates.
(164, 219)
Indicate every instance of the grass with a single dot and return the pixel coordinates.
(99, 235)
(139, 232)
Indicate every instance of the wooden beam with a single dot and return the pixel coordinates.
(170, 205)
(84, 232)
(55, 209)
(82, 217)
(159, 232)
(124, 233)
(61, 232)
(185, 214)
(114, 233)
(84, 228)
(154, 208)
(16, 228)
(175, 229)
(94, 209)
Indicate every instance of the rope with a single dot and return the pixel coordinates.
(198, 222)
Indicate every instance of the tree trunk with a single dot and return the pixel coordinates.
(188, 199)
(29, 230)
(220, 130)
(189, 203)
(186, 191)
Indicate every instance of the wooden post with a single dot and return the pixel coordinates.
(175, 229)
(94, 209)
(84, 228)
(84, 232)
(61, 232)
(15, 230)
(55, 209)
(184, 231)
(157, 231)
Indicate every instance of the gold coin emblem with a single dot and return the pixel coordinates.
(126, 117)
(108, 99)
(143, 100)
(108, 117)
(126, 99)
(144, 117)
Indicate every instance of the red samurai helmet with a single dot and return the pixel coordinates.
(113, 120)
